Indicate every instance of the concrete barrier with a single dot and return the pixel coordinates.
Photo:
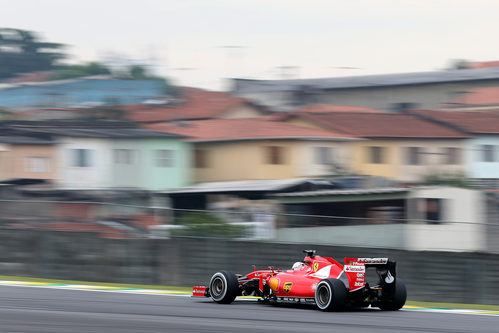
(429, 276)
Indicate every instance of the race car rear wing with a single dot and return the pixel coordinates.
(355, 271)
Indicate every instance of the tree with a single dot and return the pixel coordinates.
(458, 64)
(201, 224)
(138, 72)
(4, 114)
(22, 52)
(454, 179)
(89, 69)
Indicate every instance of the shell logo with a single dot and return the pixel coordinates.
(274, 284)
(287, 286)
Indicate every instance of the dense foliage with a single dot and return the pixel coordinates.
(456, 179)
(22, 52)
(201, 224)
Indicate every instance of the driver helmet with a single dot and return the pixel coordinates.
(297, 266)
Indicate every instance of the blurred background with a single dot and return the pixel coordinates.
(159, 144)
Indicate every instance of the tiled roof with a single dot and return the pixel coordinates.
(323, 108)
(476, 122)
(194, 104)
(380, 125)
(480, 96)
(483, 64)
(244, 129)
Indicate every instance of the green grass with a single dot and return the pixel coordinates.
(434, 305)
(106, 284)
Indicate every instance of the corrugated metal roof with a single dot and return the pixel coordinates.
(357, 191)
(109, 133)
(86, 129)
(25, 140)
(365, 81)
(240, 186)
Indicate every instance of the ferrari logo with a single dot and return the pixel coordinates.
(287, 286)
(316, 266)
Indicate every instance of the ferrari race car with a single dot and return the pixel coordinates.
(320, 280)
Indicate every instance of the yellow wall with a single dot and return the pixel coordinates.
(243, 161)
(396, 166)
(360, 160)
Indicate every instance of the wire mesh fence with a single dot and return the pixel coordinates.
(388, 229)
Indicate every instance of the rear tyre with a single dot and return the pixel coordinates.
(224, 287)
(398, 299)
(330, 295)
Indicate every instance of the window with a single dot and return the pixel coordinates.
(123, 156)
(81, 157)
(165, 158)
(323, 155)
(452, 155)
(413, 156)
(274, 155)
(488, 153)
(376, 155)
(433, 210)
(36, 164)
(200, 158)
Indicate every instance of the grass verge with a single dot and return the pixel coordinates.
(437, 305)
(106, 284)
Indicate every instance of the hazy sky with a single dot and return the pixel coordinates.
(200, 42)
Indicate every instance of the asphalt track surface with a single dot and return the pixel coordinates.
(33, 309)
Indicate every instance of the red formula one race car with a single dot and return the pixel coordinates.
(320, 280)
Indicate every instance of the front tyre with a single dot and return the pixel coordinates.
(397, 301)
(330, 295)
(224, 287)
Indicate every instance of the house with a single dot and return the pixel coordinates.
(429, 90)
(395, 146)
(100, 154)
(27, 155)
(87, 91)
(481, 151)
(481, 98)
(194, 104)
(258, 149)
(437, 218)
(211, 195)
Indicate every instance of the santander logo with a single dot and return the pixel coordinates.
(355, 269)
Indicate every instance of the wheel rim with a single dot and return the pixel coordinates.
(323, 296)
(217, 287)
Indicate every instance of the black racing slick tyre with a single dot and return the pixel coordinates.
(224, 287)
(330, 295)
(397, 301)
